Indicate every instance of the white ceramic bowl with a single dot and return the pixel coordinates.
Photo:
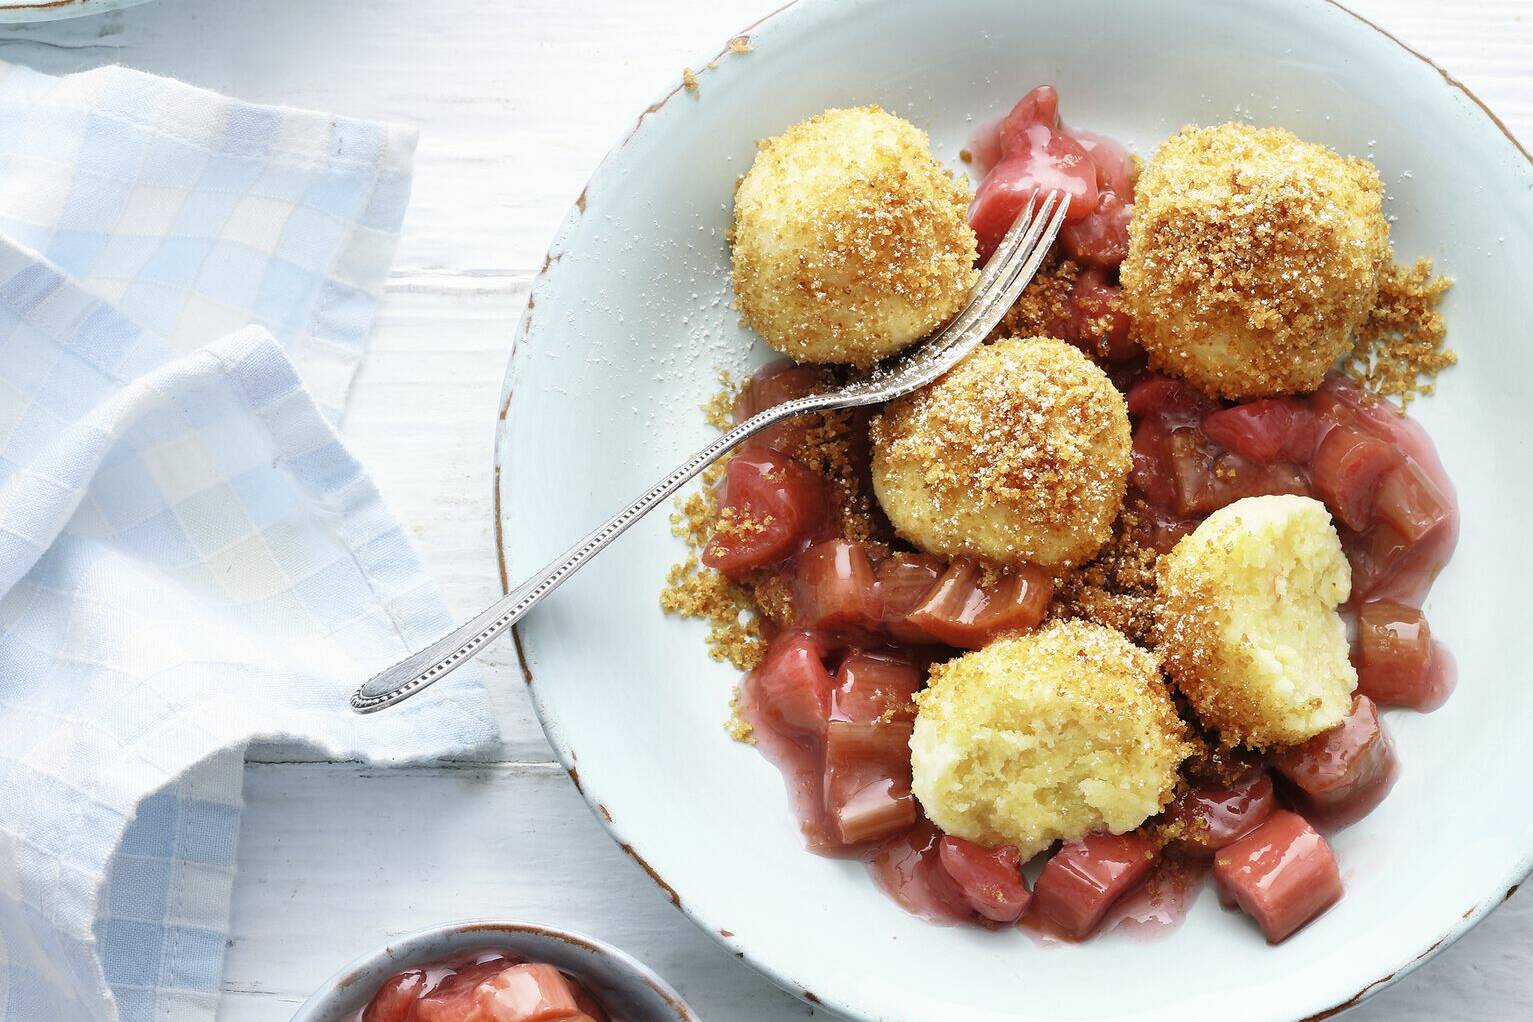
(629, 325)
(613, 976)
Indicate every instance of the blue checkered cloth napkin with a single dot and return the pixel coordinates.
(189, 558)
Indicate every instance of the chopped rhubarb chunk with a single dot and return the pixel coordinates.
(867, 748)
(1101, 238)
(1153, 393)
(867, 761)
(771, 386)
(868, 807)
(1149, 462)
(1282, 874)
(483, 986)
(909, 869)
(1208, 819)
(774, 384)
(1037, 106)
(1036, 156)
(1084, 878)
(1394, 652)
(1095, 320)
(462, 991)
(396, 999)
(833, 587)
(1346, 771)
(961, 612)
(990, 878)
(532, 992)
(903, 580)
(1206, 479)
(1410, 503)
(1163, 529)
(793, 687)
(1378, 558)
(1273, 429)
(1114, 165)
(593, 1011)
(882, 744)
(770, 508)
(1348, 468)
(1191, 459)
(874, 688)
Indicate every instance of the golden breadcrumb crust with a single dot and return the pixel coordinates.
(1246, 621)
(1253, 257)
(1018, 455)
(850, 240)
(1046, 736)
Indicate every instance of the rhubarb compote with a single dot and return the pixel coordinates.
(967, 603)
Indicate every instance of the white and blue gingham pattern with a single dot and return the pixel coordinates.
(189, 558)
(196, 215)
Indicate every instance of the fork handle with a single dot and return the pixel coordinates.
(463, 643)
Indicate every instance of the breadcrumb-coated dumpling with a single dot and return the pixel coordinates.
(1253, 257)
(850, 240)
(1046, 736)
(1020, 454)
(1246, 621)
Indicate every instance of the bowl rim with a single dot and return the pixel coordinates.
(400, 949)
(1520, 871)
(23, 12)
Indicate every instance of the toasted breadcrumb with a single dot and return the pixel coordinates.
(689, 80)
(831, 443)
(693, 590)
(740, 44)
(1117, 588)
(734, 634)
(693, 518)
(835, 445)
(1042, 303)
(1399, 347)
(736, 726)
(719, 409)
(774, 598)
(729, 522)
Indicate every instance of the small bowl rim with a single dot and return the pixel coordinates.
(399, 951)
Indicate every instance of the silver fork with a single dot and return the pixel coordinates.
(1011, 267)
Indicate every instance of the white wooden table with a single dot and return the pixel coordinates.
(517, 101)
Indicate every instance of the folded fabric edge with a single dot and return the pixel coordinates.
(220, 894)
(376, 156)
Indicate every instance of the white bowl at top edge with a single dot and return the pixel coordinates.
(627, 330)
(25, 11)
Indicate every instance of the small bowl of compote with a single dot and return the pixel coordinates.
(488, 971)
